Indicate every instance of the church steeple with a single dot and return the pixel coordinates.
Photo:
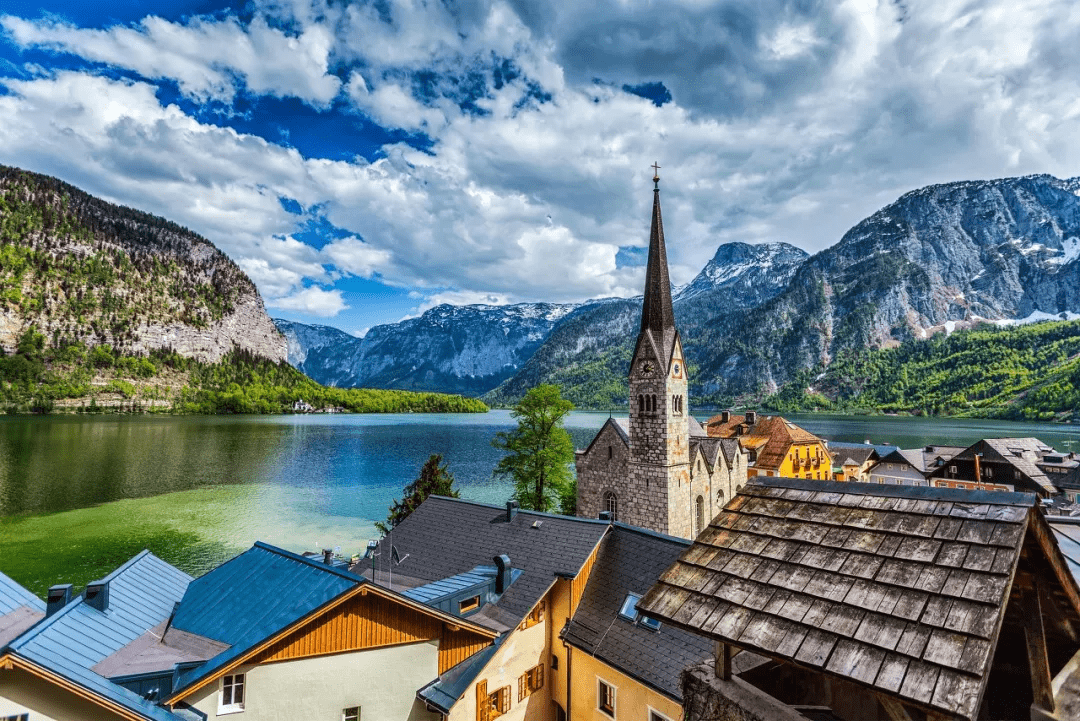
(656, 312)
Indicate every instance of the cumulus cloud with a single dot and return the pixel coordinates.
(787, 121)
(313, 301)
(204, 57)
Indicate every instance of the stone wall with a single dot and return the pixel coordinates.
(708, 698)
(602, 467)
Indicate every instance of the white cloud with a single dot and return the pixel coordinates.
(787, 123)
(313, 301)
(203, 56)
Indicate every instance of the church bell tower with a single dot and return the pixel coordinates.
(659, 463)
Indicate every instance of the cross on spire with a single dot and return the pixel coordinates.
(656, 174)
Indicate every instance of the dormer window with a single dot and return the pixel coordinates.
(469, 604)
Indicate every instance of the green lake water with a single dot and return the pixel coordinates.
(80, 495)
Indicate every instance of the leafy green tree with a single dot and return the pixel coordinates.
(539, 451)
(434, 479)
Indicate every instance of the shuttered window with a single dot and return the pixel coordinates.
(530, 682)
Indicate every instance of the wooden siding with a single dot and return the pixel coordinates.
(370, 621)
(456, 646)
(577, 586)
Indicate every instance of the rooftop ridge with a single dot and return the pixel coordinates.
(648, 532)
(1009, 498)
(542, 514)
(311, 562)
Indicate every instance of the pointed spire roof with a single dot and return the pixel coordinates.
(656, 312)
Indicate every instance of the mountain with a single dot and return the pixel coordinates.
(451, 349)
(81, 270)
(938, 258)
(757, 316)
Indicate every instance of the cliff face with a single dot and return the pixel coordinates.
(80, 269)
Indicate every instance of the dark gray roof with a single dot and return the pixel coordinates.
(899, 588)
(849, 455)
(730, 447)
(696, 430)
(448, 536)
(631, 560)
(445, 691)
(1021, 453)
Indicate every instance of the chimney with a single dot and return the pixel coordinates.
(739, 429)
(96, 595)
(605, 516)
(725, 417)
(58, 598)
(502, 572)
(328, 556)
(751, 417)
(511, 510)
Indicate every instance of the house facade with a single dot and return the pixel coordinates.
(651, 470)
(1005, 464)
(774, 445)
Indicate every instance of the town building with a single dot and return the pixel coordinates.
(911, 467)
(658, 469)
(774, 446)
(49, 671)
(1063, 470)
(998, 464)
(876, 603)
(853, 461)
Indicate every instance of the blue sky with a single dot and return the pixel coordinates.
(364, 161)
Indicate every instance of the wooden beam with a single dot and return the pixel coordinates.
(722, 662)
(1035, 635)
(893, 708)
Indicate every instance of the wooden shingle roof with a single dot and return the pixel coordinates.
(897, 588)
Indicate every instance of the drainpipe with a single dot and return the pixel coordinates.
(569, 686)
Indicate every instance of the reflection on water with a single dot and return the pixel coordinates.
(198, 489)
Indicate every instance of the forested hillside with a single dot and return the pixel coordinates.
(74, 378)
(1028, 371)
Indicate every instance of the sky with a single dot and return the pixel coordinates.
(365, 161)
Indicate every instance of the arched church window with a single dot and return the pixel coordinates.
(641, 404)
(611, 504)
(610, 452)
(720, 498)
(700, 514)
(653, 397)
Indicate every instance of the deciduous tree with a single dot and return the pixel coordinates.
(539, 451)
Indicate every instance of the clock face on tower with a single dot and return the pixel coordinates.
(646, 368)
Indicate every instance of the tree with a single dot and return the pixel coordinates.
(539, 451)
(434, 479)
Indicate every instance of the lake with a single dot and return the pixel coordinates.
(79, 495)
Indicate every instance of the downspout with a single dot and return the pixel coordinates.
(569, 686)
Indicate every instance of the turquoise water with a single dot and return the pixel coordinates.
(199, 489)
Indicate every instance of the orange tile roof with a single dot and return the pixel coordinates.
(772, 435)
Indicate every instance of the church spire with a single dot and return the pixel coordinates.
(656, 312)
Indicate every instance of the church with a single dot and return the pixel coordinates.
(658, 469)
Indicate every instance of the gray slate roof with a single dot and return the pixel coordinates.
(898, 588)
(1021, 453)
(448, 536)
(630, 560)
(142, 594)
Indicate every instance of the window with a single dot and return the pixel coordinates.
(469, 604)
(611, 504)
(652, 400)
(530, 681)
(989, 472)
(655, 715)
(649, 622)
(720, 498)
(628, 611)
(699, 513)
(554, 662)
(1016, 475)
(17, 717)
(605, 697)
(231, 699)
(535, 616)
(499, 702)
(610, 452)
(641, 404)
(351, 714)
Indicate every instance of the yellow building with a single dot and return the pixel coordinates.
(775, 446)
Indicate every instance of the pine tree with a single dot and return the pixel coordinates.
(434, 479)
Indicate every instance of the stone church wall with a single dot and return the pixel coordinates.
(603, 466)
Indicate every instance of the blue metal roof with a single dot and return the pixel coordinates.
(447, 586)
(142, 593)
(1067, 533)
(250, 598)
(13, 596)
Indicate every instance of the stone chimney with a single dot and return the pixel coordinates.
(751, 417)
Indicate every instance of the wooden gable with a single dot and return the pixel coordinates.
(368, 621)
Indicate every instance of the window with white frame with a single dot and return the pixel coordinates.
(605, 697)
(655, 715)
(231, 699)
(350, 714)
